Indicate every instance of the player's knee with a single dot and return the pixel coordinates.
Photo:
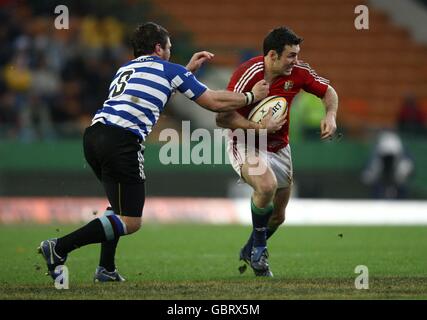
(133, 225)
(267, 188)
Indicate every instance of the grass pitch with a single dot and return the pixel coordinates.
(201, 262)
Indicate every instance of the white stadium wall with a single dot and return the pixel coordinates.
(217, 211)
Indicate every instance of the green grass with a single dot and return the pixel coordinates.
(200, 262)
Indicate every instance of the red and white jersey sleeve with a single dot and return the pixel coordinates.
(247, 75)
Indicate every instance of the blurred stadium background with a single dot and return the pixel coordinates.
(52, 81)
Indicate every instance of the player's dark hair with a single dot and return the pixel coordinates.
(146, 36)
(278, 38)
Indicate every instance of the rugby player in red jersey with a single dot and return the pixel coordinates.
(280, 67)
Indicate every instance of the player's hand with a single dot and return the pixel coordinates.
(272, 125)
(198, 59)
(260, 90)
(328, 126)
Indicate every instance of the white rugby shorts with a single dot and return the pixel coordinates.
(280, 162)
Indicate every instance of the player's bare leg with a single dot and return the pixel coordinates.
(133, 224)
(280, 201)
(264, 184)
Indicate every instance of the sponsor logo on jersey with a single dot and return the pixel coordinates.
(142, 59)
(288, 85)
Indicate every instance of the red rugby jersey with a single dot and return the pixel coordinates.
(301, 77)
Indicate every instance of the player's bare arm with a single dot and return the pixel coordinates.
(328, 125)
(222, 100)
(234, 120)
(198, 59)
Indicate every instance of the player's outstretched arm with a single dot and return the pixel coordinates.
(222, 100)
(328, 125)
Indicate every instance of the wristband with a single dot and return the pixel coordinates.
(249, 96)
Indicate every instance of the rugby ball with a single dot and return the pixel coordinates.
(279, 105)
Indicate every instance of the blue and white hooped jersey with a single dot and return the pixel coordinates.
(140, 90)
